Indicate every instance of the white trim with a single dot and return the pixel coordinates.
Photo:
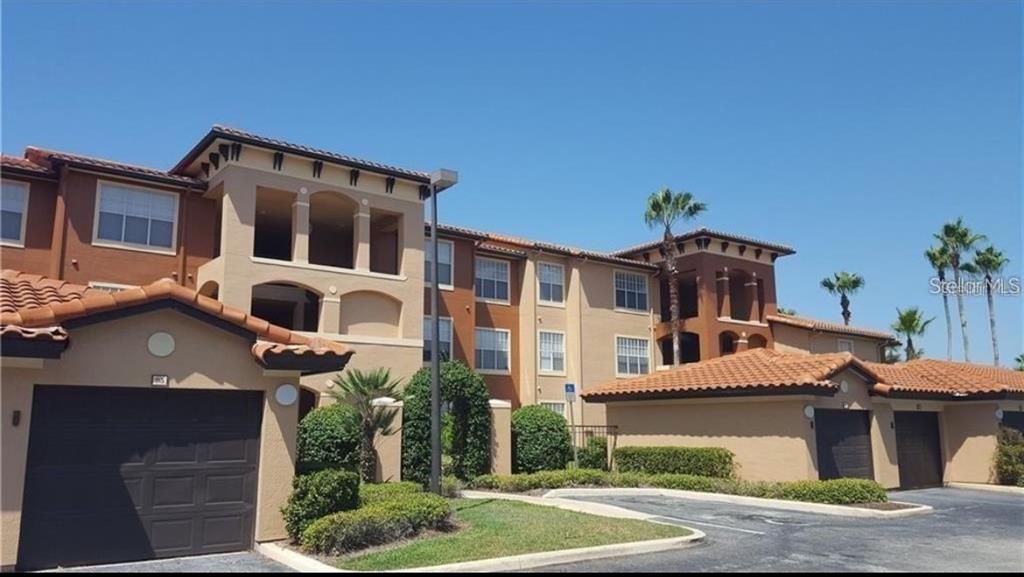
(325, 268)
(507, 371)
(740, 322)
(20, 243)
(426, 256)
(565, 354)
(508, 281)
(615, 352)
(565, 405)
(493, 372)
(123, 245)
(451, 343)
(647, 281)
(540, 301)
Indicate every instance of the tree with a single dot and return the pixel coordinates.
(664, 209)
(358, 390)
(986, 264)
(938, 257)
(958, 239)
(910, 323)
(787, 312)
(843, 284)
(1020, 362)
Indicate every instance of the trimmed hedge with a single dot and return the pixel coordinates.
(377, 524)
(540, 440)
(328, 438)
(318, 494)
(595, 454)
(1009, 458)
(835, 492)
(701, 461)
(376, 492)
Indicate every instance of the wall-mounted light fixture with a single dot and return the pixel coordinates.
(286, 395)
(999, 414)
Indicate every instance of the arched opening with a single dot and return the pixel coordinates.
(273, 226)
(287, 305)
(727, 343)
(385, 241)
(688, 296)
(210, 288)
(757, 342)
(307, 401)
(739, 294)
(689, 348)
(332, 229)
(372, 314)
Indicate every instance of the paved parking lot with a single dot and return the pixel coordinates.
(969, 531)
(247, 562)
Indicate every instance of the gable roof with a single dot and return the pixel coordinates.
(34, 307)
(707, 232)
(829, 327)
(52, 158)
(932, 376)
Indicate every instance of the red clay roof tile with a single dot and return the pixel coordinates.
(829, 327)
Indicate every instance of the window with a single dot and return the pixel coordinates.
(492, 279)
(444, 338)
(13, 208)
(445, 252)
(556, 406)
(631, 356)
(845, 346)
(552, 352)
(630, 291)
(552, 282)
(136, 217)
(492, 350)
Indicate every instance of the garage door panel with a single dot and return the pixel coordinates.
(918, 449)
(844, 444)
(104, 487)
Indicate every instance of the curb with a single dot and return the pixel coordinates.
(1005, 489)
(819, 508)
(294, 559)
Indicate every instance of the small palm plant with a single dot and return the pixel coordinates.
(910, 323)
(958, 239)
(359, 390)
(664, 209)
(843, 284)
(987, 264)
(938, 257)
(1020, 362)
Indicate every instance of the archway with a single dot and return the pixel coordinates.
(289, 305)
(727, 343)
(332, 229)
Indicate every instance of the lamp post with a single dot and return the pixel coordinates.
(439, 180)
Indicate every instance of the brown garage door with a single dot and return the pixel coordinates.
(1014, 420)
(844, 444)
(118, 474)
(918, 449)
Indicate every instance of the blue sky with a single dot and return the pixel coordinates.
(850, 131)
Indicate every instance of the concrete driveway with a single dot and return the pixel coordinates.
(969, 531)
(246, 562)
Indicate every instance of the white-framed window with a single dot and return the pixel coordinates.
(845, 345)
(13, 211)
(444, 338)
(556, 406)
(552, 351)
(492, 350)
(135, 217)
(551, 283)
(492, 279)
(630, 291)
(445, 260)
(632, 356)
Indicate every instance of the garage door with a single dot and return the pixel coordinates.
(117, 474)
(1014, 420)
(844, 444)
(918, 449)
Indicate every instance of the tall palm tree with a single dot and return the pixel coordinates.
(958, 239)
(843, 284)
(664, 209)
(358, 389)
(938, 257)
(986, 264)
(910, 323)
(1020, 362)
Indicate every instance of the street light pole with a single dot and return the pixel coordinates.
(439, 180)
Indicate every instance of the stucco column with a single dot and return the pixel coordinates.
(501, 437)
(300, 227)
(361, 225)
(528, 333)
(330, 314)
(389, 447)
(754, 314)
(574, 335)
(742, 343)
(238, 217)
(724, 301)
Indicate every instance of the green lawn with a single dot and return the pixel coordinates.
(495, 528)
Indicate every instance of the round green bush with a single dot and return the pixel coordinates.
(328, 437)
(377, 524)
(319, 494)
(470, 434)
(540, 440)
(595, 454)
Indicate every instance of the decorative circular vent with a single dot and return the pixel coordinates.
(160, 344)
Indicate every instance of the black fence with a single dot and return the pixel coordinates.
(581, 435)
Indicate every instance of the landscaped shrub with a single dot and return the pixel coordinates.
(318, 494)
(835, 491)
(541, 480)
(702, 461)
(470, 413)
(328, 437)
(376, 492)
(540, 440)
(595, 454)
(377, 524)
(1010, 457)
(451, 487)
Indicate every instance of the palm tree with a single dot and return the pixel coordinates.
(664, 209)
(910, 323)
(843, 284)
(1020, 362)
(938, 257)
(986, 264)
(958, 239)
(785, 311)
(359, 389)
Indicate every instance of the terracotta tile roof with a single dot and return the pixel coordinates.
(17, 164)
(829, 327)
(518, 242)
(945, 378)
(43, 157)
(704, 231)
(32, 306)
(497, 248)
(748, 371)
(220, 131)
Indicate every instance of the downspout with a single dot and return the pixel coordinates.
(182, 238)
(60, 225)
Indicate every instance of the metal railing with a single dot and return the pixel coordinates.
(582, 434)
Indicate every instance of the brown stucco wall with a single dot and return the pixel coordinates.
(789, 339)
(459, 304)
(970, 439)
(114, 354)
(34, 257)
(505, 316)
